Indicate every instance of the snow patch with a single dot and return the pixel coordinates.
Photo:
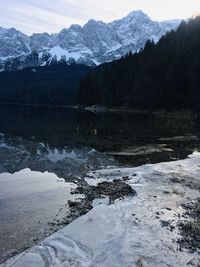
(59, 52)
(183, 138)
(142, 150)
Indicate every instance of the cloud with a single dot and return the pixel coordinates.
(49, 18)
(53, 15)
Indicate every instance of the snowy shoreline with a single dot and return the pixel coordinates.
(135, 231)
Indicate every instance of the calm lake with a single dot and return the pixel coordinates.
(45, 152)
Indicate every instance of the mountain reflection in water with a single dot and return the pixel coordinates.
(68, 142)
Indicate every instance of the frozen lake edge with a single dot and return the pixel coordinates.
(129, 232)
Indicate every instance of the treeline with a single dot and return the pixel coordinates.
(50, 85)
(165, 75)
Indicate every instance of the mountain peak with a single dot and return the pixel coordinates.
(75, 27)
(137, 14)
(134, 17)
(94, 22)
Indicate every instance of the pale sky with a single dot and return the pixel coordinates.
(53, 15)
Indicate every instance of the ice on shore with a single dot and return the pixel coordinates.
(129, 232)
(142, 150)
(183, 138)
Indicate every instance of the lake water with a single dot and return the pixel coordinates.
(40, 146)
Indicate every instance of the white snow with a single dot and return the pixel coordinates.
(183, 138)
(13, 56)
(59, 52)
(128, 232)
(142, 150)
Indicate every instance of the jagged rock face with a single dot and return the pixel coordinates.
(70, 38)
(94, 43)
(13, 43)
(40, 40)
(99, 37)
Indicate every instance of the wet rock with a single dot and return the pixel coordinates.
(72, 204)
(26, 246)
(190, 228)
(193, 262)
(140, 263)
(172, 227)
(186, 181)
(166, 192)
(114, 190)
(125, 178)
(13, 252)
(168, 208)
(164, 223)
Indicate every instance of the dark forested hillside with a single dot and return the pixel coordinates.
(165, 75)
(54, 85)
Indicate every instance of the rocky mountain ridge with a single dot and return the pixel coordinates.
(93, 44)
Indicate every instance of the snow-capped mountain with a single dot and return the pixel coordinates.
(94, 43)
